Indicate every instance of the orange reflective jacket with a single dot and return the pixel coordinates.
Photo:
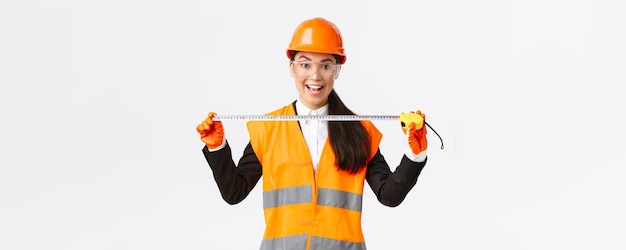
(304, 210)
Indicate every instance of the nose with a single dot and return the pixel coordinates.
(315, 74)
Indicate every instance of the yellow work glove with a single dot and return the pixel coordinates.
(211, 132)
(413, 127)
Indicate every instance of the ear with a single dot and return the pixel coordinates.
(337, 72)
(291, 70)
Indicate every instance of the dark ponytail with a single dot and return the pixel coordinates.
(349, 139)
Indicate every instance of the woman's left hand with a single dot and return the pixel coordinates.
(417, 137)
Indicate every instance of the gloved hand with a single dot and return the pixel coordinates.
(211, 132)
(413, 127)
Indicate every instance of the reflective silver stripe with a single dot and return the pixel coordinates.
(295, 242)
(319, 243)
(286, 196)
(340, 199)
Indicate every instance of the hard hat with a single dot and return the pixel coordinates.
(317, 35)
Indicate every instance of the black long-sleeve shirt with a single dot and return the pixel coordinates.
(236, 181)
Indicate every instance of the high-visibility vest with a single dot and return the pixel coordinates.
(303, 209)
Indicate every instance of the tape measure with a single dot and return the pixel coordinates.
(307, 117)
(316, 117)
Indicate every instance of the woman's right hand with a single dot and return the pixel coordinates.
(211, 132)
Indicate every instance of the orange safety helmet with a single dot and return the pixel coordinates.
(317, 35)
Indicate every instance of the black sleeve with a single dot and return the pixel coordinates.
(234, 181)
(392, 187)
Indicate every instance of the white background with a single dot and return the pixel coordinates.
(99, 101)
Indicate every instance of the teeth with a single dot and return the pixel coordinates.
(314, 87)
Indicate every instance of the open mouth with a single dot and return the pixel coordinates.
(314, 88)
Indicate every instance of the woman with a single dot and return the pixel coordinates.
(313, 171)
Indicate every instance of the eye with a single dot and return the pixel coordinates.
(327, 66)
(304, 65)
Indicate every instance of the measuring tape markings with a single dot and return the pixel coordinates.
(307, 117)
(316, 117)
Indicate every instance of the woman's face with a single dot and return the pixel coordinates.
(314, 76)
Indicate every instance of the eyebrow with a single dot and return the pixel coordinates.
(305, 57)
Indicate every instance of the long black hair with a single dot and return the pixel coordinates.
(349, 139)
